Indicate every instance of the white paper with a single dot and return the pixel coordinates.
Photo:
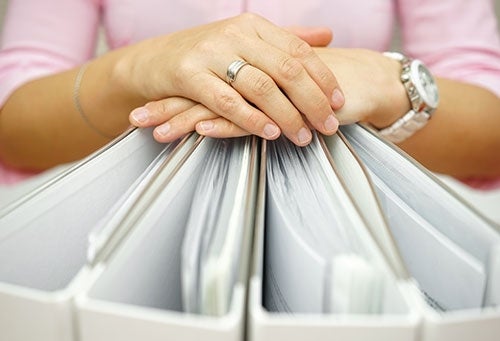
(45, 238)
(448, 275)
(310, 221)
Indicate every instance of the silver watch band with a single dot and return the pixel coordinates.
(419, 115)
(405, 126)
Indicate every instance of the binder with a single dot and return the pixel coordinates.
(136, 292)
(43, 236)
(399, 320)
(450, 219)
(428, 216)
(102, 250)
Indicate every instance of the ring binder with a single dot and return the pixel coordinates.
(95, 253)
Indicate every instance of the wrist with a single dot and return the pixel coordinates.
(121, 78)
(394, 102)
(105, 98)
(422, 92)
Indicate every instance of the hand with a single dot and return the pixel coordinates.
(371, 84)
(177, 116)
(370, 81)
(286, 78)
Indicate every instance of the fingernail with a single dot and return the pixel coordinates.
(140, 115)
(206, 125)
(331, 124)
(304, 135)
(270, 130)
(163, 129)
(337, 99)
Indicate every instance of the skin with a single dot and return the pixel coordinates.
(291, 87)
(461, 139)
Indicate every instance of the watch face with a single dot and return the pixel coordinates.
(426, 85)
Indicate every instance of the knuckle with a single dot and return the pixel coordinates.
(186, 74)
(263, 85)
(157, 111)
(320, 104)
(154, 107)
(206, 46)
(184, 122)
(299, 48)
(252, 121)
(292, 122)
(228, 128)
(163, 107)
(226, 103)
(183, 72)
(290, 68)
(327, 78)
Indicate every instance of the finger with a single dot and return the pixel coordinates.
(225, 101)
(314, 36)
(293, 79)
(220, 128)
(182, 123)
(157, 112)
(262, 91)
(299, 49)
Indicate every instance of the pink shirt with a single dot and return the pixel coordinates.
(458, 39)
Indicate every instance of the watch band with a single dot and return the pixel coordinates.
(417, 117)
(405, 126)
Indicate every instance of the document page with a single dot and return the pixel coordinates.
(314, 241)
(45, 237)
(457, 241)
(212, 248)
(450, 277)
(146, 269)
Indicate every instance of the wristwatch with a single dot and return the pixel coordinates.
(423, 94)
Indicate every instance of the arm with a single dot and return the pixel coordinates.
(39, 39)
(461, 138)
(465, 57)
(40, 128)
(161, 67)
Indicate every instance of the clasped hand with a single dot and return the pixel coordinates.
(285, 89)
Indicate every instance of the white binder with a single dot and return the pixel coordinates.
(399, 320)
(135, 292)
(95, 253)
(429, 218)
(453, 222)
(43, 236)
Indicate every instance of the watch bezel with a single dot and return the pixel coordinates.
(428, 100)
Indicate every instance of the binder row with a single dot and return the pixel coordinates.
(242, 239)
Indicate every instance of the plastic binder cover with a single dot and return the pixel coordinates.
(451, 251)
(136, 293)
(396, 320)
(43, 237)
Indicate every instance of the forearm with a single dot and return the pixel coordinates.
(462, 138)
(41, 127)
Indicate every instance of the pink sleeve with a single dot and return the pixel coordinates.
(458, 39)
(43, 37)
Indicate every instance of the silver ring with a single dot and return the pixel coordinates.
(233, 69)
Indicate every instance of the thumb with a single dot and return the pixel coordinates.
(314, 36)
